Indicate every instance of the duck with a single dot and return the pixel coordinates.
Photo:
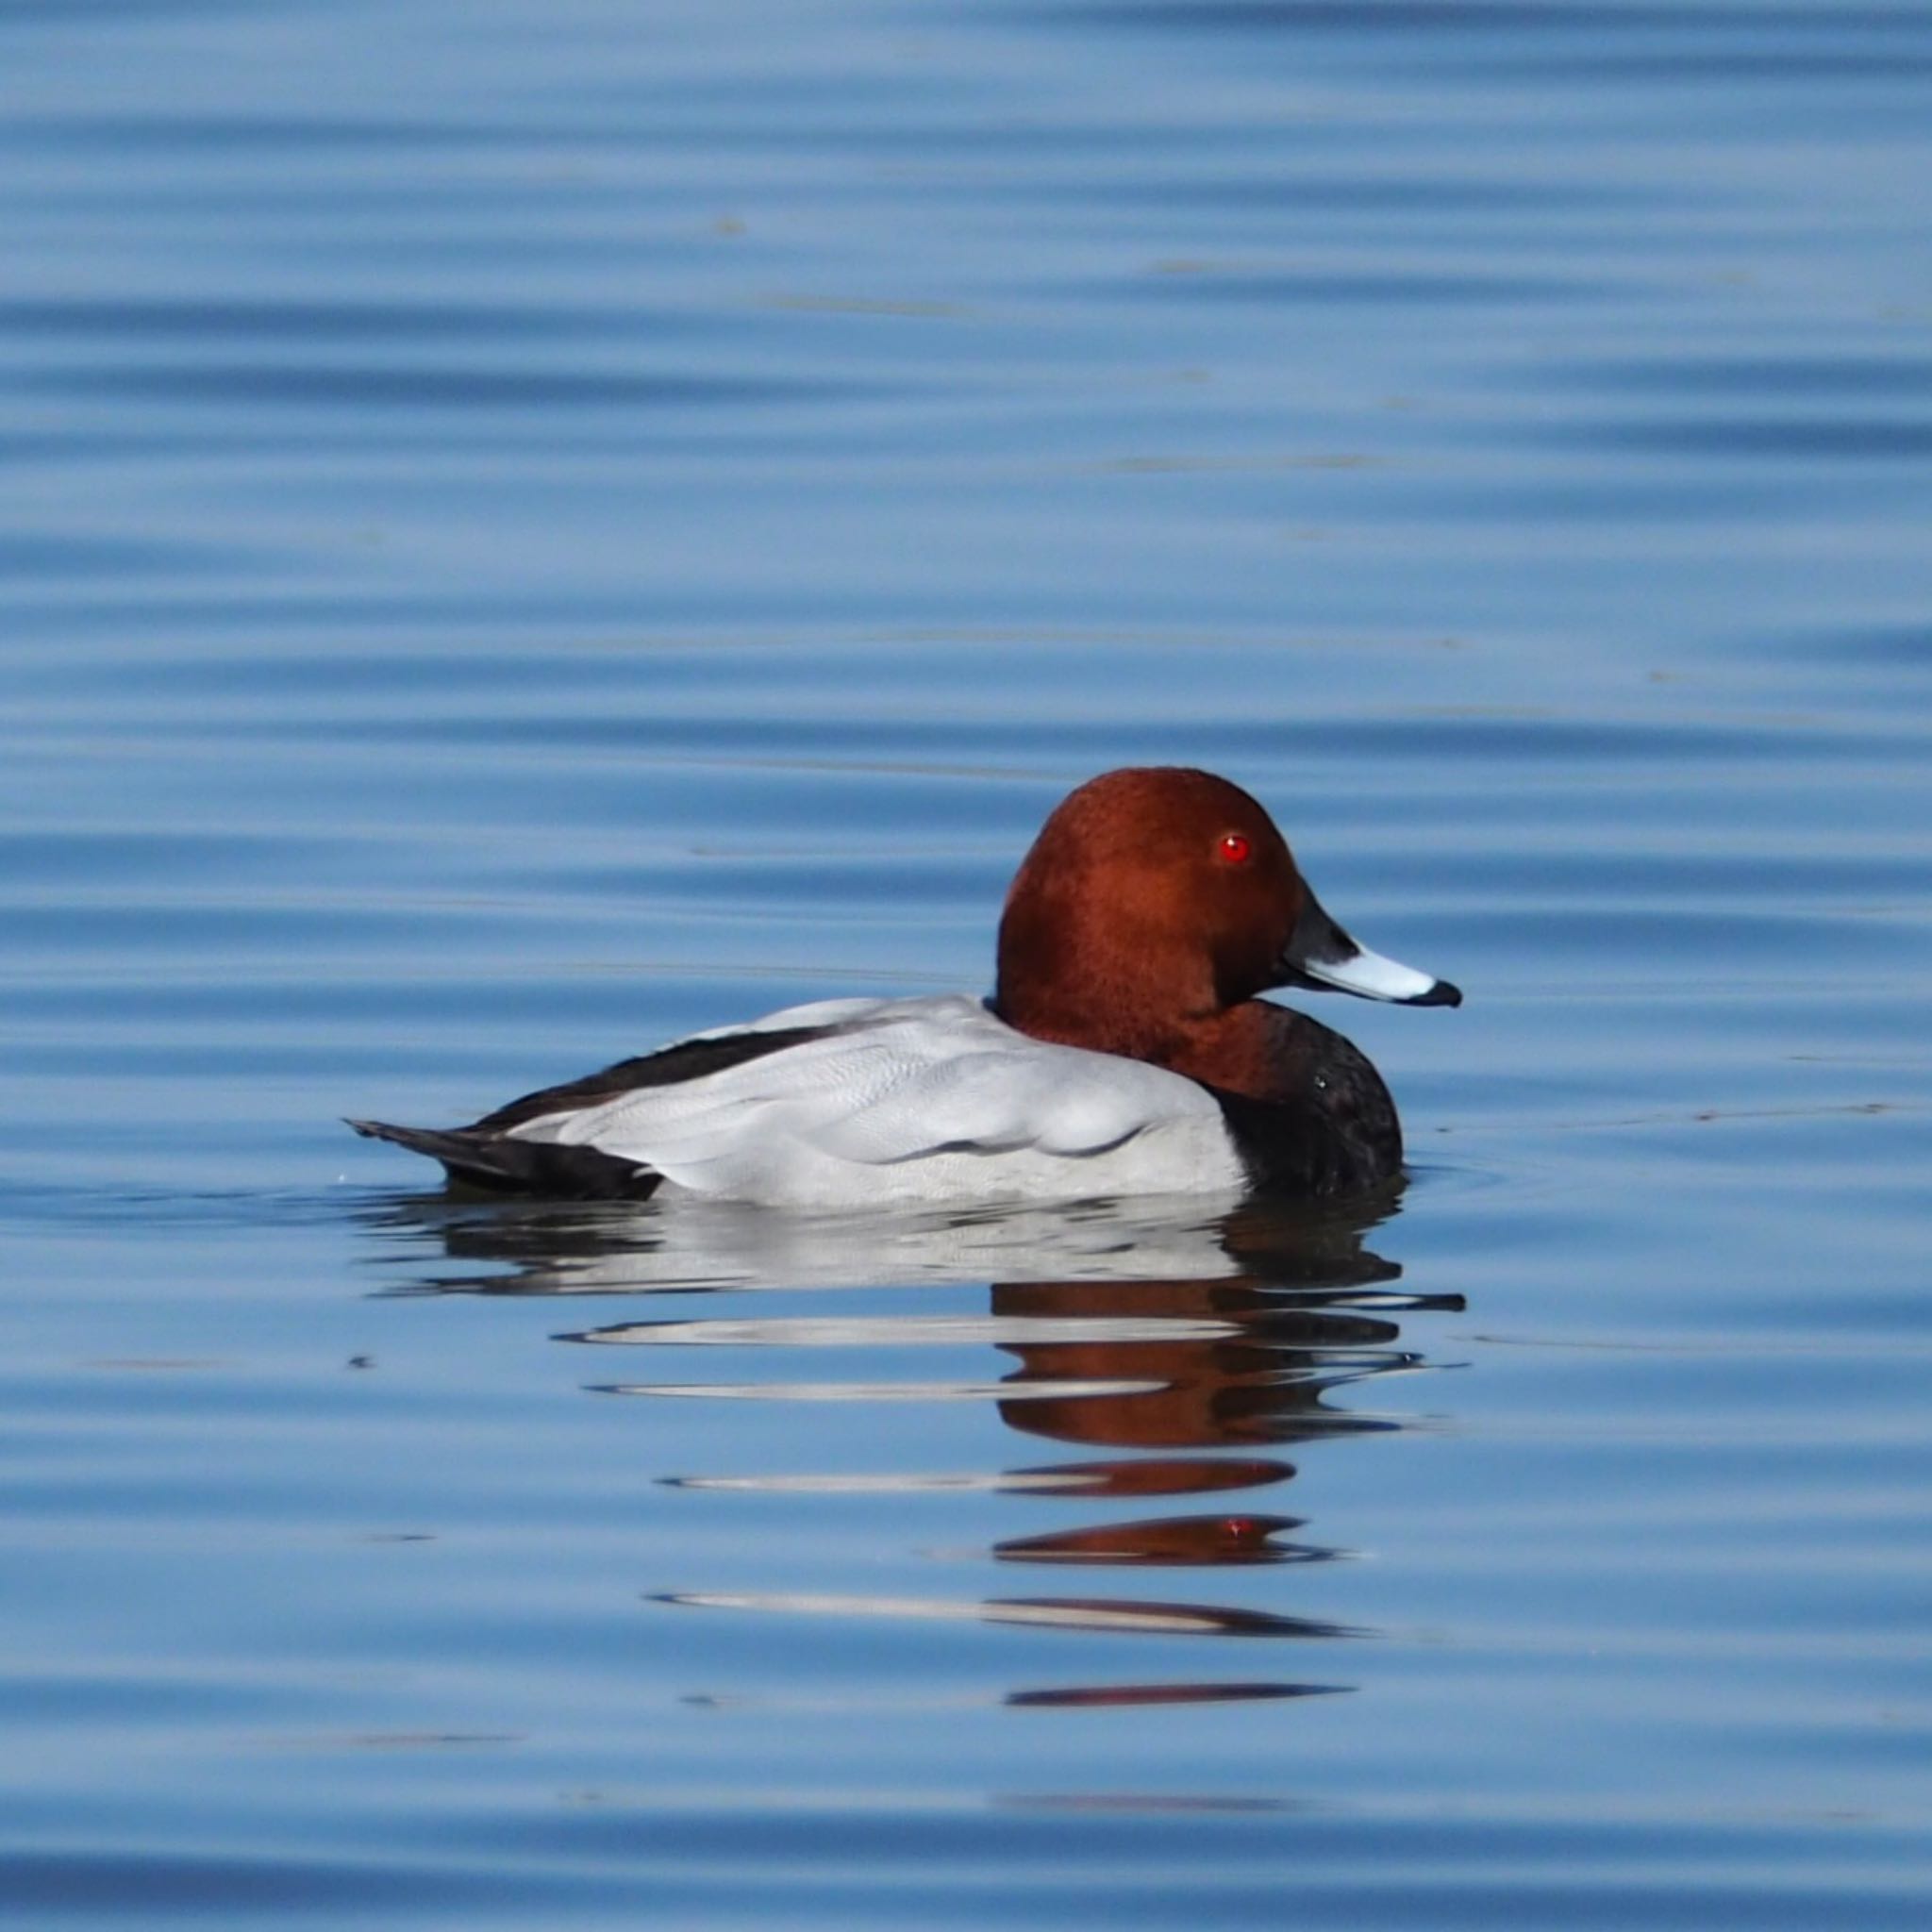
(1126, 1049)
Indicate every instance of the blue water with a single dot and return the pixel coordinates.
(528, 529)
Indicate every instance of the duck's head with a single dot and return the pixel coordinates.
(1157, 898)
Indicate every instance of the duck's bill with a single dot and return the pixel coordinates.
(1322, 957)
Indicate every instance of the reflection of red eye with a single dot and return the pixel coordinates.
(1235, 848)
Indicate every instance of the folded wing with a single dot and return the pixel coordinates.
(905, 1099)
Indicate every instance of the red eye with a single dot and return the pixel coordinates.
(1234, 848)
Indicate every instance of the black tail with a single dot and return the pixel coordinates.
(501, 1164)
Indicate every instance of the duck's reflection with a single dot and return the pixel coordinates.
(1193, 1341)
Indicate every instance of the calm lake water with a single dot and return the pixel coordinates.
(530, 529)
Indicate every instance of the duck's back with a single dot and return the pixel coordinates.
(853, 1102)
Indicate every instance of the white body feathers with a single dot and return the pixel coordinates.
(913, 1100)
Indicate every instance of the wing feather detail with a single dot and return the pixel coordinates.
(908, 1098)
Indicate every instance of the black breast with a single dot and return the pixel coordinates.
(1331, 1128)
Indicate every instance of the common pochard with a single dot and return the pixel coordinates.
(1125, 1049)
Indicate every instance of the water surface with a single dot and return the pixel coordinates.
(527, 530)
